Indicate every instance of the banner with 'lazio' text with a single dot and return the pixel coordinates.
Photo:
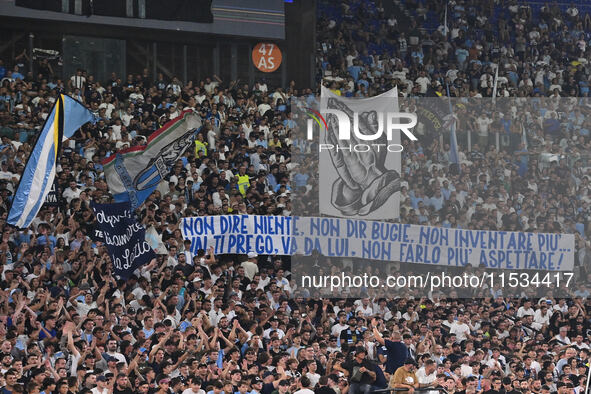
(372, 240)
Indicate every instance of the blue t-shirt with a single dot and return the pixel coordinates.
(354, 71)
(461, 55)
(396, 353)
(43, 335)
(148, 333)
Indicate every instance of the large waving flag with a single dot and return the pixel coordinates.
(133, 173)
(67, 116)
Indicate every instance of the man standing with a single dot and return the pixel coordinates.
(396, 350)
(250, 266)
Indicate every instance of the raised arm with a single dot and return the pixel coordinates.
(377, 333)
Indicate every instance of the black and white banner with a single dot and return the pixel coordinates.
(124, 236)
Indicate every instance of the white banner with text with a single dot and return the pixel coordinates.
(372, 240)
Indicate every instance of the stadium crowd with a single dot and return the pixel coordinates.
(201, 323)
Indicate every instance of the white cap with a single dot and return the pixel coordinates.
(252, 255)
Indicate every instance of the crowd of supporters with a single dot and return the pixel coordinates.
(200, 323)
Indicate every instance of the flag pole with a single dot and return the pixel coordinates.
(445, 29)
(452, 131)
(494, 93)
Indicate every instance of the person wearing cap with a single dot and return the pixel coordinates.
(163, 386)
(359, 371)
(101, 385)
(405, 376)
(274, 327)
(251, 267)
(282, 387)
(256, 385)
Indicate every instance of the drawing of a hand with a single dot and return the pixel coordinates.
(364, 184)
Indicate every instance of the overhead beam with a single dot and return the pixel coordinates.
(157, 64)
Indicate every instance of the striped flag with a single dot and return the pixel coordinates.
(67, 116)
(133, 173)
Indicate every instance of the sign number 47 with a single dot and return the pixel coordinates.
(266, 57)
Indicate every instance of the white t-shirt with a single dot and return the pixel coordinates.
(263, 107)
(425, 379)
(314, 378)
(461, 330)
(190, 391)
(250, 269)
(120, 357)
(423, 82)
(126, 119)
(337, 328)
(523, 312)
(483, 123)
(267, 332)
(108, 109)
(70, 194)
(209, 87)
(365, 311)
(304, 391)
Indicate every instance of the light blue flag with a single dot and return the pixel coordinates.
(67, 116)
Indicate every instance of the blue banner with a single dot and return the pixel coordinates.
(124, 236)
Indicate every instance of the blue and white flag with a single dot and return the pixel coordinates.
(133, 173)
(67, 116)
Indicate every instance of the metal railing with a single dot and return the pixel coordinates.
(423, 389)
